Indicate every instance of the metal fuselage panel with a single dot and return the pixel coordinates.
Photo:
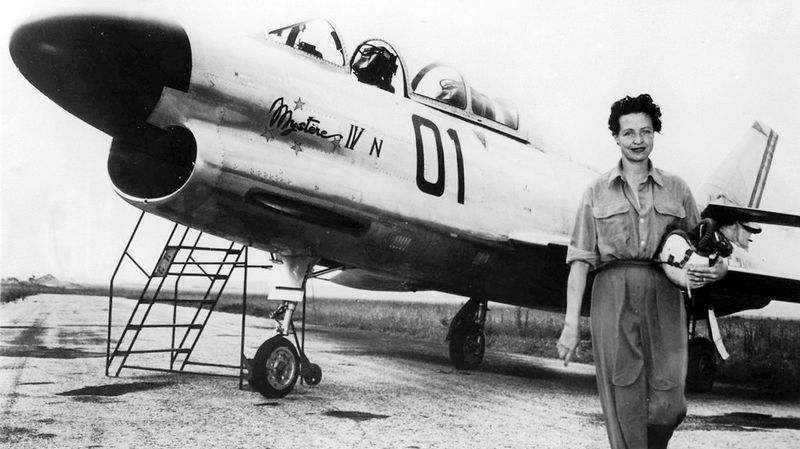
(438, 195)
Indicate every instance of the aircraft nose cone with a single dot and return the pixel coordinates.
(108, 71)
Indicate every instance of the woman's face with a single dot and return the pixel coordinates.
(635, 137)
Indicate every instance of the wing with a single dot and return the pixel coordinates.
(743, 289)
(727, 213)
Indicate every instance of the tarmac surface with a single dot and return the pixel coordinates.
(376, 392)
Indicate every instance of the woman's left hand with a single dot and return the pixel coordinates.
(700, 275)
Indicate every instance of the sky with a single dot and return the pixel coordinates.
(714, 67)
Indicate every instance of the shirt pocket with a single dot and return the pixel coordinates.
(613, 227)
(669, 214)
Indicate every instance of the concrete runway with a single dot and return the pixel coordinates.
(376, 392)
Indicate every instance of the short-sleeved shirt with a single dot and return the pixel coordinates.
(616, 223)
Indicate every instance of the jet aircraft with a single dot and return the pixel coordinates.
(286, 142)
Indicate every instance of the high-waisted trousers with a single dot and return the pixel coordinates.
(639, 338)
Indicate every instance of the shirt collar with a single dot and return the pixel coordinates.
(652, 172)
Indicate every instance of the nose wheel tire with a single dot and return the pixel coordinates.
(276, 367)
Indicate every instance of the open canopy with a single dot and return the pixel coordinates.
(375, 62)
(315, 37)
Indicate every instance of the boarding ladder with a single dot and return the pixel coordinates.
(190, 275)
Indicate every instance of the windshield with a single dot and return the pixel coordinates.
(315, 37)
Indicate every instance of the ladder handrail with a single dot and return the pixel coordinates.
(111, 289)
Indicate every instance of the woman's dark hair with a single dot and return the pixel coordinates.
(630, 105)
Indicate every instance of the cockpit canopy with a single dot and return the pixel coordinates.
(446, 85)
(376, 63)
(315, 37)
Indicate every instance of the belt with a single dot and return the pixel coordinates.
(627, 263)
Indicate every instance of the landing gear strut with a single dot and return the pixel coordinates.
(278, 362)
(467, 341)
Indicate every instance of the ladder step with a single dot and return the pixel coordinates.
(178, 301)
(191, 262)
(164, 326)
(214, 365)
(154, 351)
(205, 248)
(216, 277)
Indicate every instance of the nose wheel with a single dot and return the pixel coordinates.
(275, 367)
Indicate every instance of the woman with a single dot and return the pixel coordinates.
(638, 317)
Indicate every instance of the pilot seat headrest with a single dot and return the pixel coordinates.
(375, 65)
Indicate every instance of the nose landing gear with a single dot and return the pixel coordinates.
(278, 362)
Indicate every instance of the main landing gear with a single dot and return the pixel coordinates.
(702, 363)
(467, 341)
(278, 362)
(702, 367)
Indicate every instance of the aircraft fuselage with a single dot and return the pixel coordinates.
(289, 153)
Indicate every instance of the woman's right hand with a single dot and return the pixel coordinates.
(568, 342)
(571, 335)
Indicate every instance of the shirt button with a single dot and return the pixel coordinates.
(642, 242)
(641, 220)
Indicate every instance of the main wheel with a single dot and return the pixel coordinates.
(276, 367)
(702, 365)
(467, 348)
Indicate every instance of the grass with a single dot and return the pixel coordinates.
(11, 292)
(765, 353)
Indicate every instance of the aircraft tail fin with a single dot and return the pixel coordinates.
(739, 182)
(740, 179)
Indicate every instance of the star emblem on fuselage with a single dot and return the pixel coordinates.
(298, 104)
(337, 143)
(268, 134)
(297, 147)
